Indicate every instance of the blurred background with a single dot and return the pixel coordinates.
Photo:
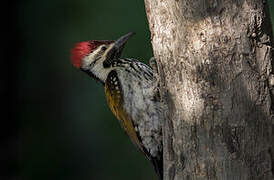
(59, 125)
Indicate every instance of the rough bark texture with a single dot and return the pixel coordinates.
(215, 64)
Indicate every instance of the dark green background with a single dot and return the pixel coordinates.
(64, 128)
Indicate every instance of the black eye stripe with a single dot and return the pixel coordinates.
(104, 48)
(97, 58)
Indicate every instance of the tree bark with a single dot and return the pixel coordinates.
(215, 65)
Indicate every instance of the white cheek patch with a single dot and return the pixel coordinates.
(97, 68)
(87, 61)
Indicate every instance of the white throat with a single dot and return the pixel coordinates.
(100, 72)
(97, 69)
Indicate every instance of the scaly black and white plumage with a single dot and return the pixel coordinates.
(130, 92)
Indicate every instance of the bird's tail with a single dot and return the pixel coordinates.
(158, 166)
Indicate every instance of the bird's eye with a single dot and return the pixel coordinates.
(104, 48)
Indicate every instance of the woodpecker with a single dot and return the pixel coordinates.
(130, 90)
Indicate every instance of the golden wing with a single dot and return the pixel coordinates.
(114, 95)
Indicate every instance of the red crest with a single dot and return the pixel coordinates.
(82, 49)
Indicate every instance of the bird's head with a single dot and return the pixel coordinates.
(95, 57)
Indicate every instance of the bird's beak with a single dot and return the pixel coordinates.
(116, 50)
(120, 43)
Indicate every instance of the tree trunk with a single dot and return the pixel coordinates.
(215, 65)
